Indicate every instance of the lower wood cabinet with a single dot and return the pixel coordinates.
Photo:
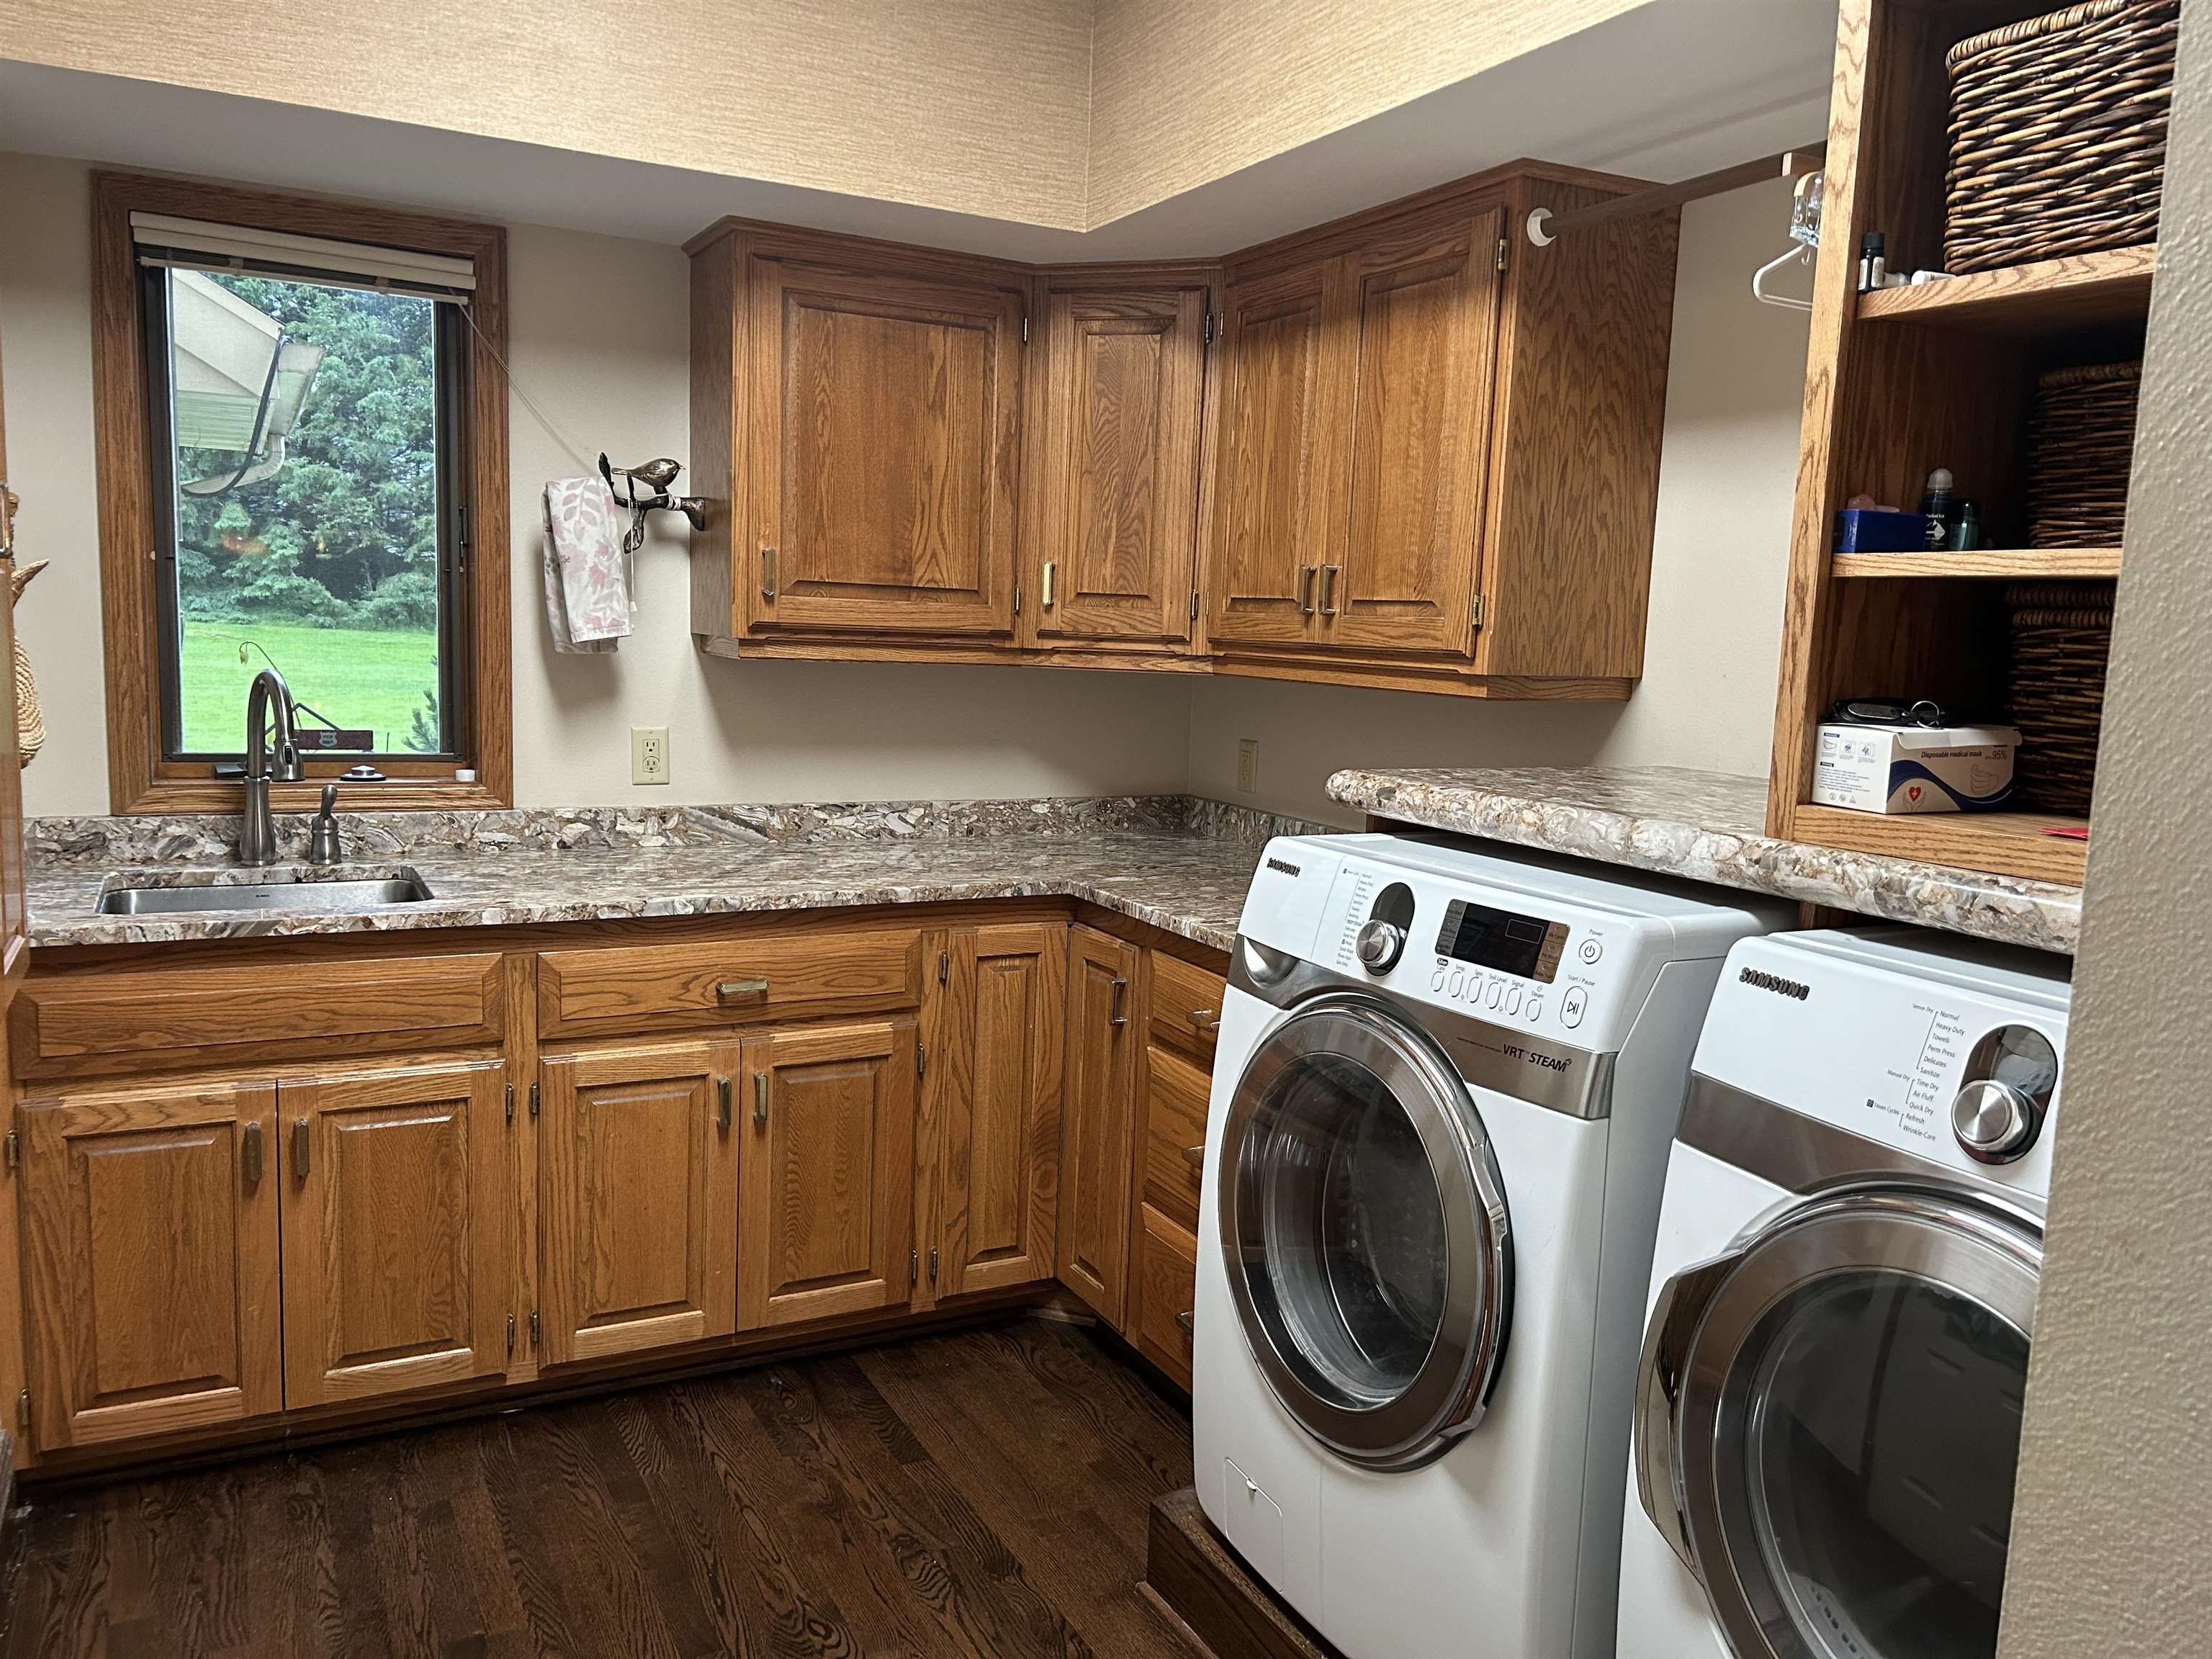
(395, 1237)
(150, 1250)
(1162, 1288)
(637, 1159)
(1096, 1108)
(826, 1175)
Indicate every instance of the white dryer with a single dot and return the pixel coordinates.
(1444, 1090)
(1843, 1296)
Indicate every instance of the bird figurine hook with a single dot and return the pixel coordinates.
(656, 476)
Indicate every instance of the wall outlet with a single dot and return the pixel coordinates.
(648, 754)
(1248, 765)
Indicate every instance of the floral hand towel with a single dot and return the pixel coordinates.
(586, 588)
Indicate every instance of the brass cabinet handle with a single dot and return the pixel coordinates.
(722, 1104)
(760, 1100)
(249, 1153)
(1187, 1324)
(1194, 1156)
(1051, 572)
(1115, 1014)
(730, 990)
(303, 1136)
(1329, 575)
(1305, 589)
(1205, 1019)
(767, 572)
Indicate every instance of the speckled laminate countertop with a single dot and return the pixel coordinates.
(1170, 862)
(1710, 826)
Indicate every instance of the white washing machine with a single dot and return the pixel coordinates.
(1445, 1087)
(1829, 1400)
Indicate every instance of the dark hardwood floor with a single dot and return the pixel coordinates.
(981, 1493)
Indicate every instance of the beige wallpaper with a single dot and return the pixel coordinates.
(972, 105)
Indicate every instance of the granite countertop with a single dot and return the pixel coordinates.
(1170, 862)
(1710, 826)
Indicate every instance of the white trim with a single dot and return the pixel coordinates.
(363, 262)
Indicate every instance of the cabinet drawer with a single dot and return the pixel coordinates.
(647, 987)
(1186, 1006)
(1164, 1290)
(1175, 1128)
(441, 1001)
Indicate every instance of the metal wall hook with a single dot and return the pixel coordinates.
(656, 476)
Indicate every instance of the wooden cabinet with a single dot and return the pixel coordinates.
(396, 1238)
(1097, 1145)
(826, 1174)
(1163, 1291)
(1114, 488)
(150, 1248)
(638, 1197)
(996, 1088)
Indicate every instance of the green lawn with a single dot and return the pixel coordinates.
(354, 677)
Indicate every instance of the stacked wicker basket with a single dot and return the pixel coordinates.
(2058, 148)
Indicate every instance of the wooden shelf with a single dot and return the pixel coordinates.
(2082, 291)
(1984, 563)
(2006, 843)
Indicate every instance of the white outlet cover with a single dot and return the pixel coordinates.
(648, 754)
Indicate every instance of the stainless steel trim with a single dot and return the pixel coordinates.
(1803, 1154)
(1449, 1393)
(1511, 1061)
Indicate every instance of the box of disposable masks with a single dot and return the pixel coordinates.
(1914, 769)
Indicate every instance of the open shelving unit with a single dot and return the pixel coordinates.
(1906, 380)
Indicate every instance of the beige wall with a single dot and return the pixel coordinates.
(972, 105)
(598, 339)
(1719, 560)
(2112, 1552)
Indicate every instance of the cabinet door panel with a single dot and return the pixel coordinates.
(395, 1229)
(1002, 1122)
(1278, 497)
(1118, 542)
(826, 1213)
(886, 413)
(151, 1251)
(1163, 1291)
(1424, 311)
(1097, 1141)
(639, 1199)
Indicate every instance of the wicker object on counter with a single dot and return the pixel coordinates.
(2081, 443)
(2058, 134)
(2061, 633)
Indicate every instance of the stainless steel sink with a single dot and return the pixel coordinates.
(330, 898)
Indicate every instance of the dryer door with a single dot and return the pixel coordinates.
(1364, 1230)
(1829, 1424)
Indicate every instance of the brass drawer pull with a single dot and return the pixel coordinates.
(1116, 1014)
(1187, 1324)
(250, 1152)
(303, 1136)
(767, 572)
(760, 1100)
(1194, 1156)
(1329, 575)
(722, 1104)
(1305, 589)
(1051, 582)
(1205, 1019)
(730, 990)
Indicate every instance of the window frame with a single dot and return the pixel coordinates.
(141, 779)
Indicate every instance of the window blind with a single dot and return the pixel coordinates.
(194, 244)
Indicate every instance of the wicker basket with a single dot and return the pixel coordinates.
(2081, 443)
(2061, 633)
(2058, 134)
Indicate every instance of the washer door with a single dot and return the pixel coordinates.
(1829, 1424)
(1364, 1232)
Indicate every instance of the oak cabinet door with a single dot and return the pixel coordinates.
(1117, 540)
(885, 424)
(150, 1223)
(1277, 497)
(638, 1198)
(999, 1165)
(396, 1241)
(1097, 1111)
(1163, 1291)
(826, 1210)
(1423, 313)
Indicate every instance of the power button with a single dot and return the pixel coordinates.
(1573, 1006)
(1591, 949)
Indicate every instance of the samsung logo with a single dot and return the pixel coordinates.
(1287, 869)
(1776, 983)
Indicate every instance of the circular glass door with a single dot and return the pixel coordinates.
(1366, 1232)
(1849, 1429)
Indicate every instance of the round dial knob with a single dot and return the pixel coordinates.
(1994, 1121)
(1380, 945)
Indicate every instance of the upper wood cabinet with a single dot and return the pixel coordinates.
(396, 1238)
(1113, 492)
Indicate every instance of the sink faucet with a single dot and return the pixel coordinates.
(256, 831)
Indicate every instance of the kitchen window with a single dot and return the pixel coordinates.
(307, 477)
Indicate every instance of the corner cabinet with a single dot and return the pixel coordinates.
(1407, 449)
